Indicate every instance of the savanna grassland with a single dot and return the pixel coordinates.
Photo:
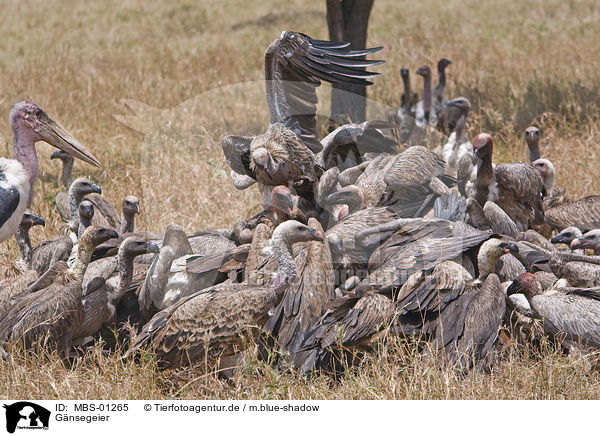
(183, 73)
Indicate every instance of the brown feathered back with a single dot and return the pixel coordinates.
(520, 193)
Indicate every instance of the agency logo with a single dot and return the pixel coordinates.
(26, 415)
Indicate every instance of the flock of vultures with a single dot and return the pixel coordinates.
(374, 230)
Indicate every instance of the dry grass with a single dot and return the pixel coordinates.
(396, 370)
(518, 61)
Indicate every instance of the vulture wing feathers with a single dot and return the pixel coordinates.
(583, 214)
(237, 153)
(295, 64)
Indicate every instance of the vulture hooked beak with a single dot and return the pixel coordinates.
(476, 158)
(151, 247)
(95, 188)
(514, 288)
(317, 235)
(338, 197)
(55, 154)
(482, 147)
(56, 135)
(38, 220)
(528, 135)
(271, 167)
(509, 247)
(556, 239)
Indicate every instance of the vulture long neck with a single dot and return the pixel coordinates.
(22, 237)
(441, 84)
(84, 223)
(460, 128)
(486, 260)
(24, 152)
(427, 96)
(534, 149)
(85, 250)
(127, 223)
(67, 172)
(558, 261)
(125, 270)
(75, 199)
(485, 177)
(405, 101)
(286, 267)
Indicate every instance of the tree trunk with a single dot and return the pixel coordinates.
(348, 21)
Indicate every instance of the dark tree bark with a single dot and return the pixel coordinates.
(348, 21)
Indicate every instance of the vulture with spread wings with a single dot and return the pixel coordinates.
(286, 154)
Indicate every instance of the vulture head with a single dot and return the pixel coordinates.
(294, 231)
(424, 71)
(532, 136)
(546, 169)
(131, 206)
(566, 236)
(63, 156)
(443, 63)
(135, 246)
(483, 147)
(263, 161)
(94, 236)
(462, 104)
(281, 199)
(83, 186)
(527, 284)
(350, 195)
(288, 233)
(489, 253)
(589, 240)
(29, 220)
(86, 211)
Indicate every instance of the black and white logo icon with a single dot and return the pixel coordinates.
(26, 415)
